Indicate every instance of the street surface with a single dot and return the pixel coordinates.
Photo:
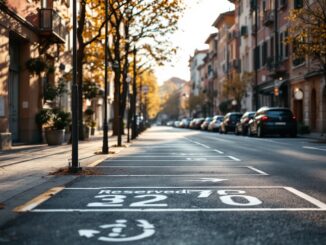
(178, 186)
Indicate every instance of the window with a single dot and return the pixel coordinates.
(298, 4)
(257, 57)
(264, 53)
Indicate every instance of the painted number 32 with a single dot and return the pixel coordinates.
(229, 197)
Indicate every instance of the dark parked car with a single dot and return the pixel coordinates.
(229, 122)
(198, 122)
(215, 124)
(242, 126)
(273, 120)
(204, 125)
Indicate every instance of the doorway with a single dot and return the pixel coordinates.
(13, 90)
(313, 110)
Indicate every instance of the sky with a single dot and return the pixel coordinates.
(194, 28)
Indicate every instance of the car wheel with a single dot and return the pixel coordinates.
(249, 132)
(259, 132)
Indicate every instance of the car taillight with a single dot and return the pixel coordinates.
(264, 118)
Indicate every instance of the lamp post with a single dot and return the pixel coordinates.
(105, 146)
(128, 80)
(134, 97)
(74, 166)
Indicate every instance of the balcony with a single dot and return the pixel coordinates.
(51, 26)
(269, 17)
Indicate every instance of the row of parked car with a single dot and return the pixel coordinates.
(265, 121)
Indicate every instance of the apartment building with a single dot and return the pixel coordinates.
(223, 23)
(34, 48)
(283, 79)
(194, 62)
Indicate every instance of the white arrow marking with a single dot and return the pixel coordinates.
(88, 233)
(214, 180)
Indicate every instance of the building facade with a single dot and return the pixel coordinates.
(253, 42)
(33, 53)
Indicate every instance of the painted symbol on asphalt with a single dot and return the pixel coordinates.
(118, 231)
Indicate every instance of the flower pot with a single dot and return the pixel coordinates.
(55, 137)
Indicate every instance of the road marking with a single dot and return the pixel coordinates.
(176, 210)
(313, 148)
(227, 194)
(234, 158)
(175, 166)
(214, 180)
(197, 143)
(172, 187)
(172, 175)
(159, 160)
(306, 197)
(257, 170)
(38, 200)
(193, 155)
(220, 152)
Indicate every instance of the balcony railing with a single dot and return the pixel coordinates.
(51, 25)
(269, 17)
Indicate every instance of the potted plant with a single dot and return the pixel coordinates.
(55, 121)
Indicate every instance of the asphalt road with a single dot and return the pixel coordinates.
(175, 186)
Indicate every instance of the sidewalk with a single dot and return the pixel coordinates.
(24, 170)
(316, 136)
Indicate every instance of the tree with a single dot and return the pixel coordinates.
(147, 25)
(235, 87)
(307, 32)
(151, 98)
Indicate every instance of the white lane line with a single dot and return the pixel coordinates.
(306, 197)
(234, 158)
(176, 210)
(120, 156)
(257, 170)
(220, 152)
(185, 160)
(180, 166)
(173, 187)
(172, 175)
(313, 148)
(195, 142)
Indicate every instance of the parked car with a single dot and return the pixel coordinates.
(215, 124)
(204, 125)
(196, 123)
(185, 123)
(273, 120)
(242, 126)
(229, 122)
(192, 123)
(176, 124)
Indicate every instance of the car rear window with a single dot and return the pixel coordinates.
(279, 113)
(235, 117)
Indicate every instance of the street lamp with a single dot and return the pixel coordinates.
(105, 147)
(128, 80)
(74, 166)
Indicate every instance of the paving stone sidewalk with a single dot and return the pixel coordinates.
(25, 169)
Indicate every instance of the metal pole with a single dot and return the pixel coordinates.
(105, 147)
(134, 97)
(128, 115)
(74, 167)
(256, 57)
